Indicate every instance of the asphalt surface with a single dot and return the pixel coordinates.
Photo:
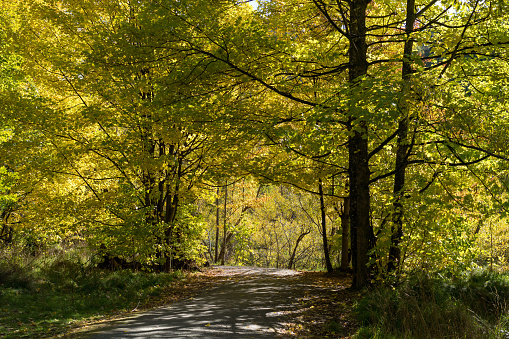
(255, 303)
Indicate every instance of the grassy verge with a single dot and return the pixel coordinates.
(475, 305)
(44, 297)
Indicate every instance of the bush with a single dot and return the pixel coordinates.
(16, 268)
(47, 293)
(473, 306)
(483, 291)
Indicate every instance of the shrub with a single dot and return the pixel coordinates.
(484, 292)
(16, 268)
(423, 307)
(46, 294)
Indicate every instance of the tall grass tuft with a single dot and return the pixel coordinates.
(46, 294)
(472, 306)
(484, 291)
(16, 268)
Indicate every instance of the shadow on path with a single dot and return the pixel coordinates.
(255, 303)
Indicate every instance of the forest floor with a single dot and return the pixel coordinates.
(240, 302)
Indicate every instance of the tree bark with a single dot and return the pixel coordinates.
(223, 250)
(326, 255)
(403, 145)
(292, 257)
(345, 219)
(217, 227)
(226, 241)
(361, 233)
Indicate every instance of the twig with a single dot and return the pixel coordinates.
(136, 308)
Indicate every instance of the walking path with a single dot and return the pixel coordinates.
(253, 303)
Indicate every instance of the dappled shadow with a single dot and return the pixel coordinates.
(254, 303)
(256, 271)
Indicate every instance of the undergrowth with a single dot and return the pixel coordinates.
(44, 295)
(474, 305)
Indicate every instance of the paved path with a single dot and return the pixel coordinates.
(254, 304)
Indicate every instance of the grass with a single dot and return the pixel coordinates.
(474, 305)
(49, 295)
(43, 296)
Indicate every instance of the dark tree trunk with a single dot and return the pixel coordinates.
(326, 255)
(361, 233)
(403, 145)
(360, 228)
(7, 231)
(172, 203)
(345, 220)
(226, 241)
(292, 257)
(217, 227)
(223, 249)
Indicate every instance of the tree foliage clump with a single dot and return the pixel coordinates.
(133, 125)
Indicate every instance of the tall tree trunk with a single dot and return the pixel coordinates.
(223, 250)
(344, 215)
(326, 255)
(345, 219)
(403, 145)
(226, 241)
(361, 233)
(278, 250)
(217, 226)
(292, 257)
(172, 203)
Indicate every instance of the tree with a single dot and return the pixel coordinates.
(305, 63)
(127, 119)
(132, 110)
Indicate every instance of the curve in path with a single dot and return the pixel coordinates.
(255, 304)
